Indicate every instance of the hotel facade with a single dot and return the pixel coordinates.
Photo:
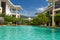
(53, 9)
(7, 7)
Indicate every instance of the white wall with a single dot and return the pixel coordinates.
(0, 3)
(17, 15)
(0, 7)
(8, 10)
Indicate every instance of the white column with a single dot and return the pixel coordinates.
(53, 22)
(53, 14)
(11, 12)
(16, 15)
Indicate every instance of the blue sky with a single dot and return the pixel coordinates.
(30, 7)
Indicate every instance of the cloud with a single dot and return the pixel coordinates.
(24, 12)
(47, 0)
(41, 9)
(27, 12)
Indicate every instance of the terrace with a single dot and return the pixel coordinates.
(7, 7)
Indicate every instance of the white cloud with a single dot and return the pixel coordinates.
(41, 9)
(47, 0)
(24, 12)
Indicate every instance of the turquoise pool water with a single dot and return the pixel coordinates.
(29, 33)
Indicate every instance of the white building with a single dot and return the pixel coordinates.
(53, 9)
(7, 7)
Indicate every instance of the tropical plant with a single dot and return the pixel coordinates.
(12, 19)
(57, 19)
(57, 16)
(41, 19)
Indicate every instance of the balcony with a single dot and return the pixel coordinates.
(15, 13)
(57, 4)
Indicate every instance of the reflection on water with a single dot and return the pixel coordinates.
(56, 34)
(53, 34)
(29, 33)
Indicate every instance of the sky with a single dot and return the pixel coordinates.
(30, 7)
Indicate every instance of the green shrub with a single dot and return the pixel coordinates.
(5, 22)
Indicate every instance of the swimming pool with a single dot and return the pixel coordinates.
(29, 33)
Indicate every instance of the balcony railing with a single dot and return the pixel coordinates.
(57, 6)
(15, 11)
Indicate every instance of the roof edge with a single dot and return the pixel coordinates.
(15, 6)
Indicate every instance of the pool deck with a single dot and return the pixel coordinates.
(30, 25)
